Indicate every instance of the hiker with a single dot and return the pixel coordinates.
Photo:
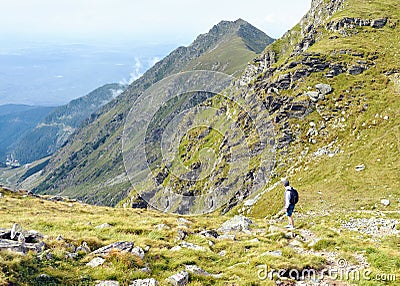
(291, 199)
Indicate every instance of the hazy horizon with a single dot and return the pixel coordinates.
(56, 51)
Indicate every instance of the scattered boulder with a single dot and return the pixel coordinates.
(222, 253)
(236, 224)
(162, 226)
(323, 88)
(192, 246)
(104, 225)
(385, 202)
(145, 269)
(254, 240)
(21, 241)
(182, 220)
(181, 234)
(123, 246)
(360, 168)
(144, 282)
(95, 262)
(60, 238)
(378, 23)
(356, 70)
(83, 248)
(313, 95)
(179, 279)
(198, 271)
(138, 251)
(108, 283)
(176, 248)
(71, 256)
(18, 247)
(276, 253)
(209, 233)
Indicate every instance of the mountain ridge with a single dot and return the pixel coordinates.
(55, 129)
(101, 133)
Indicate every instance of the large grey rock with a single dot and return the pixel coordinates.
(95, 262)
(236, 224)
(356, 70)
(179, 279)
(313, 95)
(83, 248)
(123, 246)
(323, 88)
(379, 23)
(138, 251)
(14, 246)
(144, 282)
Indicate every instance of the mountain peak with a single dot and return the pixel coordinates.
(255, 39)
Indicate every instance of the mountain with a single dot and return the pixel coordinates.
(90, 166)
(17, 120)
(14, 108)
(330, 90)
(319, 106)
(54, 130)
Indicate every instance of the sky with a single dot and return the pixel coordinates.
(53, 51)
(144, 21)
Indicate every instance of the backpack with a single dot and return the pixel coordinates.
(294, 196)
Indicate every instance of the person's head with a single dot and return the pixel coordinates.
(285, 182)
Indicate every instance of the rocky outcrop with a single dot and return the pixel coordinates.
(19, 240)
(122, 246)
(377, 227)
(343, 24)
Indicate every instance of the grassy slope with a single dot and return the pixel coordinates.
(77, 223)
(230, 56)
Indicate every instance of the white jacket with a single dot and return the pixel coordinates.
(287, 196)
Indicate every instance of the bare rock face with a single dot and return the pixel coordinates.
(347, 23)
